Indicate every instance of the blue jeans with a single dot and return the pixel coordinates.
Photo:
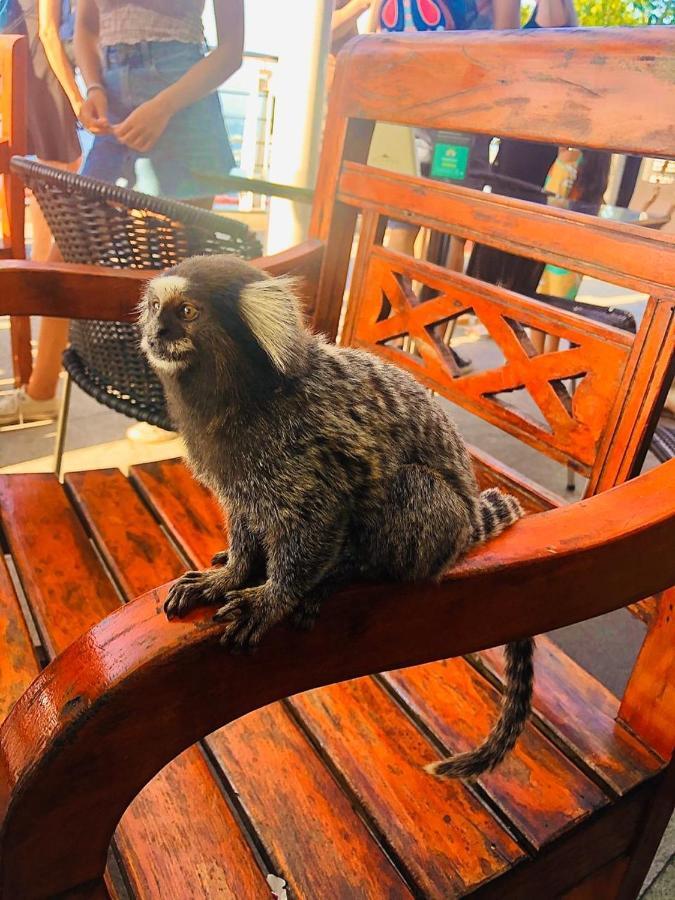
(194, 145)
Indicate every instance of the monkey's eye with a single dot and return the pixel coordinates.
(155, 305)
(188, 312)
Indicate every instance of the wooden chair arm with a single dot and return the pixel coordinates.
(140, 689)
(65, 290)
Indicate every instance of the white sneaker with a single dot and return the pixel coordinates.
(145, 433)
(17, 406)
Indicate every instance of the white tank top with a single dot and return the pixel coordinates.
(121, 22)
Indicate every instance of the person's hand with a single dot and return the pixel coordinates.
(144, 126)
(94, 112)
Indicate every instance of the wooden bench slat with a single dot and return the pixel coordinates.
(18, 664)
(179, 835)
(67, 586)
(581, 713)
(459, 707)
(182, 806)
(440, 830)
(195, 525)
(101, 495)
(308, 825)
(130, 540)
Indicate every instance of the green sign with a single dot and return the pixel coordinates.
(450, 161)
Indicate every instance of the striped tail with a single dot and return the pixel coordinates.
(516, 707)
(496, 511)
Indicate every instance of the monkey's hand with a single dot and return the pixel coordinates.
(202, 589)
(250, 613)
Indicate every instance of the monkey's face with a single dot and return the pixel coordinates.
(170, 320)
(223, 316)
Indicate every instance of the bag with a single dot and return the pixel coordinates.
(616, 318)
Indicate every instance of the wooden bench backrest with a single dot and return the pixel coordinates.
(611, 89)
(599, 89)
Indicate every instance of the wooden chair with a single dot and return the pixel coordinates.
(326, 788)
(13, 63)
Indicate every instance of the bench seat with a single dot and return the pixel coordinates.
(325, 789)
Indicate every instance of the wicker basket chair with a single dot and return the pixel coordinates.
(101, 224)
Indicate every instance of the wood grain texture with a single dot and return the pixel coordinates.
(490, 472)
(179, 830)
(611, 251)
(64, 582)
(441, 832)
(570, 428)
(18, 664)
(557, 86)
(180, 838)
(72, 291)
(646, 381)
(582, 713)
(187, 510)
(537, 788)
(129, 538)
(648, 704)
(308, 825)
(105, 697)
(258, 754)
(573, 857)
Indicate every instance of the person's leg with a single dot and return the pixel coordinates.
(53, 332)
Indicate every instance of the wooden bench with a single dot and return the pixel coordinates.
(326, 789)
(13, 64)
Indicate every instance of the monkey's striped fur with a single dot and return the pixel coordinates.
(331, 464)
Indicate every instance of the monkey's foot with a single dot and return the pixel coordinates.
(221, 558)
(249, 613)
(199, 589)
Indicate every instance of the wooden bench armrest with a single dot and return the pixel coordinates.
(136, 690)
(65, 290)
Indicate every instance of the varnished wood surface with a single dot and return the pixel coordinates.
(72, 291)
(515, 85)
(255, 755)
(440, 831)
(569, 427)
(582, 713)
(611, 251)
(18, 664)
(539, 790)
(110, 688)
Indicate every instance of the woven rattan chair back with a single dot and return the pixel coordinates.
(101, 224)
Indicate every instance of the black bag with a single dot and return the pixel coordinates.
(605, 315)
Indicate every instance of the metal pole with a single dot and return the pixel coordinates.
(298, 85)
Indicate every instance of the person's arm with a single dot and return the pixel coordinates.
(94, 111)
(49, 19)
(141, 129)
(343, 19)
(555, 14)
(505, 14)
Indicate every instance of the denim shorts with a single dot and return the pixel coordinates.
(194, 146)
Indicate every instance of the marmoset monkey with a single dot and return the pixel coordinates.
(331, 464)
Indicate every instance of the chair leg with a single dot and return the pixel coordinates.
(571, 480)
(61, 427)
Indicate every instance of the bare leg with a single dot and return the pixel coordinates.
(53, 332)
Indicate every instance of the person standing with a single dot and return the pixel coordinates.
(54, 103)
(151, 90)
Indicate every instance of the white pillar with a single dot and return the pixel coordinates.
(298, 85)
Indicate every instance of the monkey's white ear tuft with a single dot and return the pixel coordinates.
(271, 310)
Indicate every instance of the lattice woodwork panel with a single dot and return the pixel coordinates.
(564, 396)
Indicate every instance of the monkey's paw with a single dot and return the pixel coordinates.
(249, 613)
(199, 589)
